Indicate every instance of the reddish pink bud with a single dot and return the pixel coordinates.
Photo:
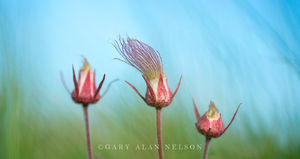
(85, 91)
(211, 124)
(158, 93)
(148, 61)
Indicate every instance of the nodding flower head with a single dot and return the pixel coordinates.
(148, 61)
(85, 91)
(211, 124)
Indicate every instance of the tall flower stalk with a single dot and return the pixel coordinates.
(210, 124)
(87, 129)
(148, 61)
(85, 93)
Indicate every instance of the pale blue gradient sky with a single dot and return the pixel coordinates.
(227, 51)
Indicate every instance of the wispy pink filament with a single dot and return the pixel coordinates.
(141, 56)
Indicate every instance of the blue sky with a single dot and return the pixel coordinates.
(227, 51)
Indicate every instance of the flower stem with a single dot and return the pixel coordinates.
(207, 140)
(158, 126)
(86, 117)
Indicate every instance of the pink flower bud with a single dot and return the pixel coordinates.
(148, 61)
(85, 91)
(158, 93)
(211, 124)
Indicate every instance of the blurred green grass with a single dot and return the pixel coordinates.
(28, 134)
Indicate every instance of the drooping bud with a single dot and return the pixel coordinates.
(85, 91)
(148, 61)
(211, 124)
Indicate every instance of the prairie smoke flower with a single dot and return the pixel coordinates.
(85, 91)
(210, 124)
(148, 61)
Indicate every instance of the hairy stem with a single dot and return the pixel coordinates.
(158, 126)
(207, 140)
(86, 117)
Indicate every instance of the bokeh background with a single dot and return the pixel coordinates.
(227, 51)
